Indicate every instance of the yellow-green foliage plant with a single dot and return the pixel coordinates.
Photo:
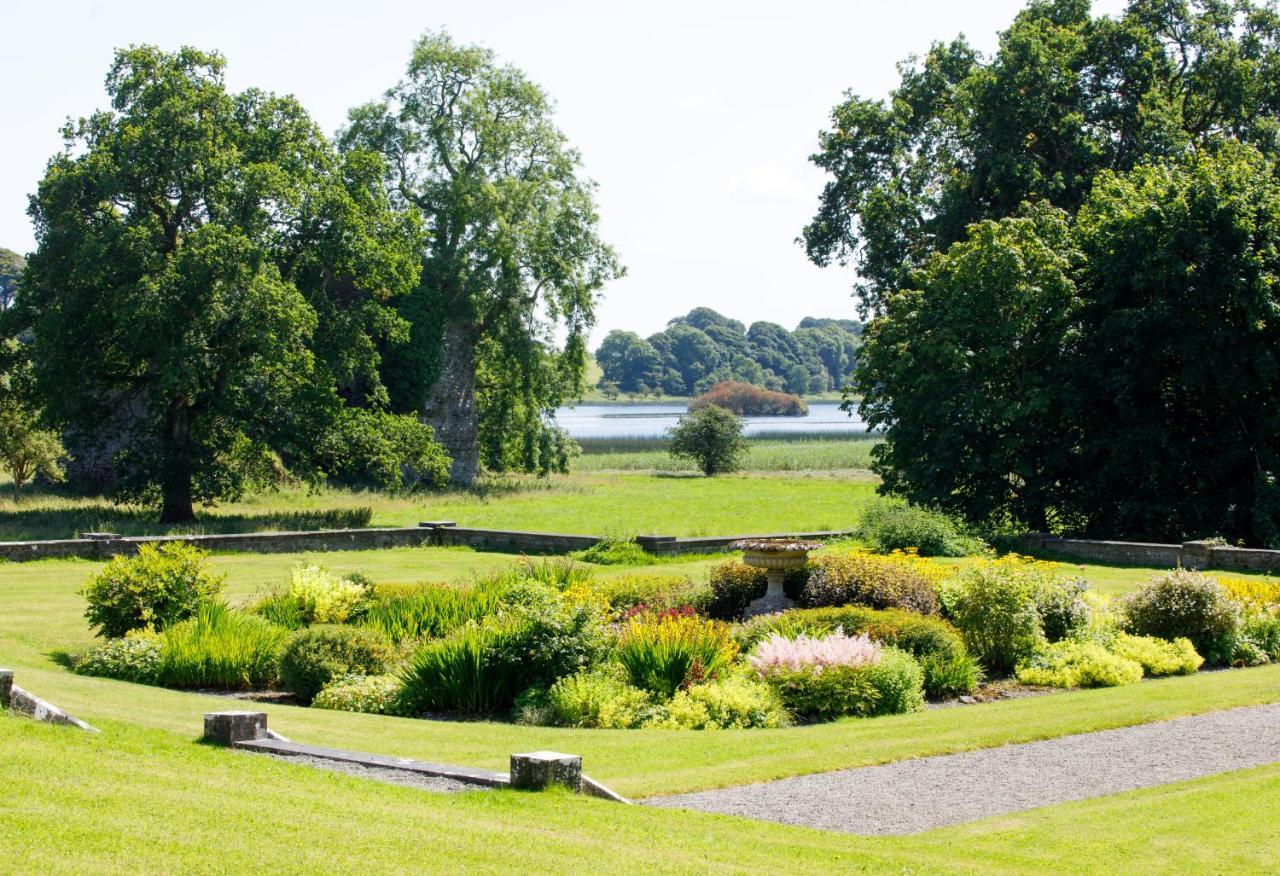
(1078, 664)
(859, 577)
(597, 698)
(326, 599)
(1158, 657)
(1252, 594)
(734, 701)
(661, 652)
(371, 694)
(153, 590)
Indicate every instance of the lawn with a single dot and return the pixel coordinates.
(777, 453)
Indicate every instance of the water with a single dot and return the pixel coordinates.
(653, 420)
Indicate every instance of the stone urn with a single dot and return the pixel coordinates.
(776, 556)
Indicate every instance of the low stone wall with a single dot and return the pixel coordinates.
(669, 545)
(1190, 555)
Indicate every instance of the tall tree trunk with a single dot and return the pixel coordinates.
(450, 407)
(176, 483)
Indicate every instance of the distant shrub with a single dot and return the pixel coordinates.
(994, 605)
(892, 525)
(313, 657)
(1063, 610)
(430, 610)
(598, 699)
(615, 552)
(153, 590)
(734, 586)
(711, 437)
(948, 668)
(732, 702)
(663, 653)
(863, 578)
(1184, 603)
(221, 648)
(136, 658)
(653, 591)
(1158, 656)
(371, 694)
(747, 400)
(892, 685)
(1078, 664)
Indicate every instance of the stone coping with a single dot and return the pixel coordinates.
(484, 778)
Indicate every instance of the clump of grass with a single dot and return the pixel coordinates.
(221, 648)
(432, 610)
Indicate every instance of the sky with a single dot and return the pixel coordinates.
(696, 119)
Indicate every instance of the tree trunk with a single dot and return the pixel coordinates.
(450, 407)
(176, 483)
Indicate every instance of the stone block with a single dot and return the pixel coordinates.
(538, 769)
(228, 728)
(6, 685)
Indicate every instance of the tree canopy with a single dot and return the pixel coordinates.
(209, 275)
(514, 254)
(704, 348)
(11, 267)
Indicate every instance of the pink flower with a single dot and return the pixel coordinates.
(804, 652)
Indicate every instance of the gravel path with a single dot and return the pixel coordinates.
(914, 795)
(391, 777)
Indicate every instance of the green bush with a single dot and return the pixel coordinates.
(1078, 664)
(948, 668)
(221, 648)
(1063, 611)
(136, 657)
(892, 686)
(656, 592)
(371, 694)
(891, 525)
(313, 657)
(993, 604)
(552, 636)
(153, 590)
(325, 598)
(431, 610)
(615, 552)
(734, 586)
(598, 699)
(734, 701)
(711, 437)
(1158, 656)
(662, 653)
(462, 672)
(862, 578)
(1184, 603)
(1263, 630)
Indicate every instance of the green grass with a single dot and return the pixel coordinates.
(794, 453)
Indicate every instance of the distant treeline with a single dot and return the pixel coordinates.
(704, 348)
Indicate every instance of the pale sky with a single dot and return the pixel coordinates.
(695, 118)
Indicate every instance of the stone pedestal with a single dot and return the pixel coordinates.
(6, 685)
(537, 769)
(227, 728)
(775, 598)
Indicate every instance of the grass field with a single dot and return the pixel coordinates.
(797, 453)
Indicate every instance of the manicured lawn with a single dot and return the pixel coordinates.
(147, 800)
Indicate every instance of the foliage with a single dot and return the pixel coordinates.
(949, 675)
(863, 578)
(834, 649)
(135, 657)
(711, 437)
(1063, 610)
(994, 604)
(27, 449)
(890, 686)
(371, 694)
(461, 672)
(313, 657)
(1252, 594)
(888, 526)
(662, 653)
(153, 590)
(656, 592)
(471, 146)
(324, 598)
(1263, 632)
(221, 648)
(555, 572)
(734, 586)
(1184, 603)
(12, 265)
(598, 699)
(431, 610)
(615, 552)
(731, 702)
(242, 272)
(1158, 656)
(378, 448)
(550, 636)
(746, 400)
(1078, 664)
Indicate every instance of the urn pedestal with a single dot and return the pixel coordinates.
(776, 557)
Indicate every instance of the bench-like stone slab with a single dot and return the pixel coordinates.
(538, 769)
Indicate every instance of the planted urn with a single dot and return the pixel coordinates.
(776, 556)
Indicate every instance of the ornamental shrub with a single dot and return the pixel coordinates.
(549, 636)
(598, 699)
(994, 605)
(1184, 603)
(615, 552)
(892, 685)
(1078, 664)
(892, 525)
(371, 694)
(136, 657)
(733, 701)
(323, 597)
(834, 649)
(153, 590)
(313, 657)
(734, 586)
(662, 653)
(221, 648)
(1063, 610)
(654, 592)
(1158, 656)
(948, 668)
(863, 578)
(430, 610)
(711, 437)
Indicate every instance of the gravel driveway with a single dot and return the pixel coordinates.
(915, 795)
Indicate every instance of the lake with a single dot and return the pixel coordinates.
(653, 420)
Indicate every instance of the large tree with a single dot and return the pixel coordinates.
(208, 266)
(514, 255)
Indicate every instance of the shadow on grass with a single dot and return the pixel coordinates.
(62, 657)
(28, 524)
